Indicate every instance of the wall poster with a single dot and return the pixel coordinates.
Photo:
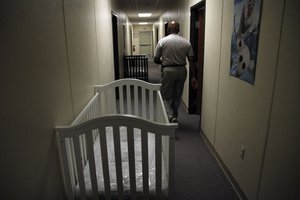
(244, 40)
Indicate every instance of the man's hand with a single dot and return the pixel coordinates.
(157, 60)
(194, 83)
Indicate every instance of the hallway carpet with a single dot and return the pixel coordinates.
(197, 174)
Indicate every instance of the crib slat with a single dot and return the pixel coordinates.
(143, 102)
(128, 92)
(100, 99)
(121, 97)
(118, 161)
(136, 101)
(71, 161)
(155, 107)
(93, 111)
(65, 160)
(74, 161)
(158, 178)
(82, 143)
(151, 104)
(171, 166)
(106, 102)
(145, 164)
(131, 162)
(79, 168)
(104, 156)
(83, 148)
(97, 107)
(91, 159)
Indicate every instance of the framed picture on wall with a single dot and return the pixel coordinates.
(244, 40)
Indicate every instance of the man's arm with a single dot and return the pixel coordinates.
(157, 60)
(157, 55)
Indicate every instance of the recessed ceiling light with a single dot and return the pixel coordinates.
(143, 23)
(144, 14)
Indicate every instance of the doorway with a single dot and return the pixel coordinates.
(197, 41)
(156, 35)
(166, 29)
(130, 38)
(145, 41)
(115, 45)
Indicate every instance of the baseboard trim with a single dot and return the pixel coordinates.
(227, 173)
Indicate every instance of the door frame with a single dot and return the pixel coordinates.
(114, 19)
(195, 96)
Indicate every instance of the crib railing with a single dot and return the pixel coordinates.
(136, 97)
(90, 111)
(136, 66)
(125, 96)
(132, 96)
(98, 125)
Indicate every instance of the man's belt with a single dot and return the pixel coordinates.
(175, 65)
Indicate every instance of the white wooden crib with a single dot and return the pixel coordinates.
(121, 146)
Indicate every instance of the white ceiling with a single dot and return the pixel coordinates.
(133, 7)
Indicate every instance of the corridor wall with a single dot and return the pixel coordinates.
(243, 110)
(280, 173)
(52, 54)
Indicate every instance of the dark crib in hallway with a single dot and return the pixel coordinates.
(136, 66)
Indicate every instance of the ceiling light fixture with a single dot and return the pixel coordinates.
(143, 23)
(144, 14)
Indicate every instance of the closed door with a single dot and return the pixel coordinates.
(146, 43)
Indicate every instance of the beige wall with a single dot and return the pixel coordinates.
(103, 10)
(52, 53)
(82, 51)
(35, 96)
(281, 175)
(243, 110)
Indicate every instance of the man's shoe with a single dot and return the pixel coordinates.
(173, 120)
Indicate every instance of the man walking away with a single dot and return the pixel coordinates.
(171, 53)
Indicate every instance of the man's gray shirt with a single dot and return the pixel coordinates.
(173, 49)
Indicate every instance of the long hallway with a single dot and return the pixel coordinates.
(54, 52)
(197, 173)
